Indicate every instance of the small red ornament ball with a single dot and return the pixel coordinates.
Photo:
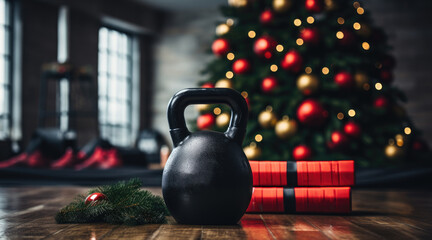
(315, 6)
(264, 46)
(220, 47)
(310, 35)
(419, 145)
(266, 17)
(347, 39)
(95, 198)
(241, 66)
(381, 102)
(386, 76)
(205, 121)
(268, 84)
(311, 113)
(208, 85)
(344, 79)
(338, 139)
(352, 129)
(292, 61)
(302, 152)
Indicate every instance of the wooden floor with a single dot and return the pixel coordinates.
(28, 213)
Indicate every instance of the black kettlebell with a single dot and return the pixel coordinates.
(207, 178)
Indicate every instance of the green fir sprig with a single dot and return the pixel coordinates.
(126, 204)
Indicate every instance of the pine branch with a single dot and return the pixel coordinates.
(126, 204)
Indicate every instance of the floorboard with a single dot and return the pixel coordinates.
(28, 213)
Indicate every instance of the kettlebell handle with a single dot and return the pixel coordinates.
(178, 103)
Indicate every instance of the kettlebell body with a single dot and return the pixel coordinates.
(207, 178)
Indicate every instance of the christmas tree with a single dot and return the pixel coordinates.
(317, 76)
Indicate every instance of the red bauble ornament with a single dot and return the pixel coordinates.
(338, 139)
(208, 85)
(344, 79)
(268, 84)
(388, 62)
(266, 17)
(95, 198)
(386, 76)
(315, 6)
(348, 38)
(310, 35)
(311, 113)
(292, 61)
(220, 47)
(352, 129)
(205, 121)
(264, 46)
(419, 145)
(302, 152)
(381, 102)
(241, 66)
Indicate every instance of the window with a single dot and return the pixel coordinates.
(115, 86)
(5, 69)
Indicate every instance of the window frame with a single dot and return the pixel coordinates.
(9, 57)
(112, 129)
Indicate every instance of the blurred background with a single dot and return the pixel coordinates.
(88, 80)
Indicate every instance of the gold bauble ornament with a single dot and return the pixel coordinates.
(267, 119)
(393, 151)
(224, 83)
(202, 107)
(365, 30)
(238, 3)
(286, 128)
(252, 152)
(361, 79)
(307, 83)
(222, 29)
(281, 5)
(223, 120)
(330, 5)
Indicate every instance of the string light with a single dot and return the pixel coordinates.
(244, 94)
(269, 108)
(378, 86)
(253, 144)
(297, 22)
(285, 117)
(258, 138)
(399, 140)
(340, 20)
(273, 68)
(360, 10)
(366, 86)
(365, 46)
(391, 142)
(340, 116)
(356, 26)
(279, 48)
(351, 113)
(407, 130)
(230, 56)
(217, 111)
(308, 70)
(356, 4)
(230, 22)
(325, 70)
(339, 35)
(299, 41)
(310, 20)
(229, 74)
(251, 34)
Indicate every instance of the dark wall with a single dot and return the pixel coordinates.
(39, 46)
(408, 25)
(39, 20)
